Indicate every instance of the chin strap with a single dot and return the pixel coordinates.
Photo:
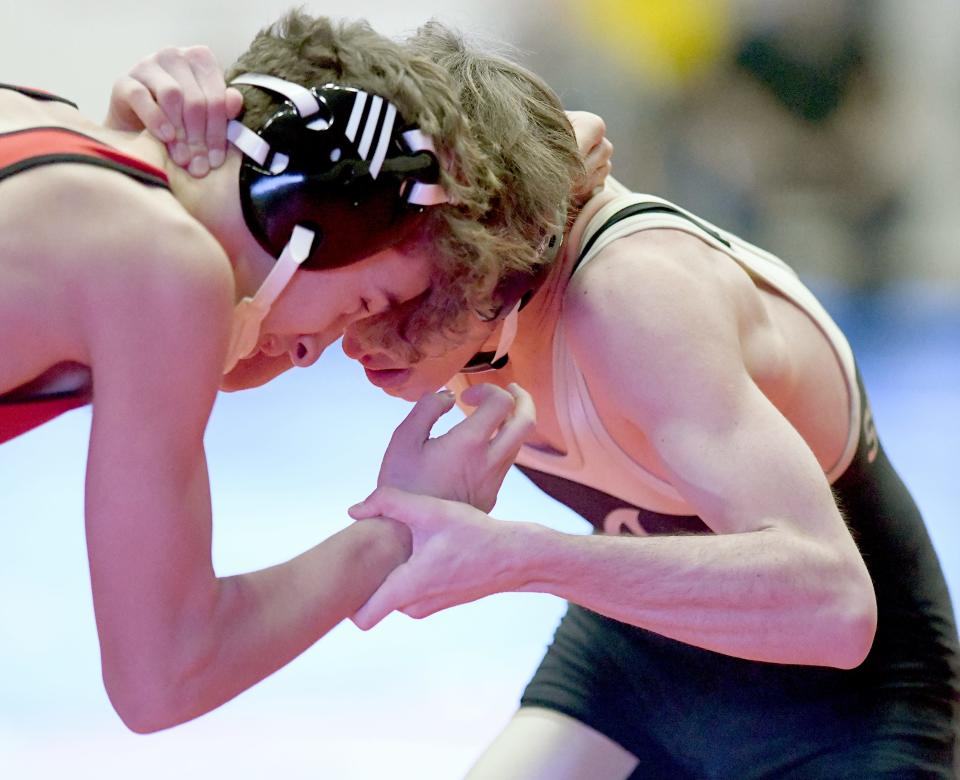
(491, 361)
(249, 313)
(508, 332)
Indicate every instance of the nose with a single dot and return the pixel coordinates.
(306, 349)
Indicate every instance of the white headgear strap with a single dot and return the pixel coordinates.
(249, 313)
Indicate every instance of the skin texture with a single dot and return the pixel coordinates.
(701, 387)
(719, 386)
(147, 321)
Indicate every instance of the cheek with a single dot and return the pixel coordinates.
(304, 307)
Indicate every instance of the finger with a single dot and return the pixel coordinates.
(411, 509)
(516, 429)
(132, 108)
(423, 610)
(599, 157)
(416, 426)
(588, 128)
(369, 615)
(193, 107)
(494, 406)
(234, 102)
(168, 95)
(209, 77)
(388, 597)
(597, 168)
(430, 606)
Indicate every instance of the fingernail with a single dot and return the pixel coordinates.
(447, 395)
(217, 158)
(180, 154)
(199, 166)
(167, 133)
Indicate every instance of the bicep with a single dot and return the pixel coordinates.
(659, 344)
(739, 462)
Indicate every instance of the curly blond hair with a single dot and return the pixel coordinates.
(508, 153)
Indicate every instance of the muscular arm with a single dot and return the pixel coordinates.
(781, 580)
(176, 640)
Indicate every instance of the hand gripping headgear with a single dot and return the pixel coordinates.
(333, 176)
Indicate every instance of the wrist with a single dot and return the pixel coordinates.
(528, 557)
(382, 543)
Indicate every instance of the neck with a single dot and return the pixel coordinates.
(214, 201)
(538, 318)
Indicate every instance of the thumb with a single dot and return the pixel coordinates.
(417, 425)
(410, 509)
(391, 595)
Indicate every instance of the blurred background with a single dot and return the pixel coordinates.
(826, 131)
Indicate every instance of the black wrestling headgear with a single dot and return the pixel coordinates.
(332, 177)
(339, 162)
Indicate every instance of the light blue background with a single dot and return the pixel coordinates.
(410, 699)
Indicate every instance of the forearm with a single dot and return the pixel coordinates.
(245, 627)
(768, 595)
(255, 371)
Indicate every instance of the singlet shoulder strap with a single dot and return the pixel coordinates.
(38, 94)
(646, 207)
(31, 147)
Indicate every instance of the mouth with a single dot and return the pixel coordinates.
(387, 378)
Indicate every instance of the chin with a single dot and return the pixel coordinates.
(412, 392)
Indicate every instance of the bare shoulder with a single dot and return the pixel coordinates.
(89, 256)
(113, 241)
(653, 284)
(159, 272)
(155, 316)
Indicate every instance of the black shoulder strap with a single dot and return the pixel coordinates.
(37, 94)
(644, 208)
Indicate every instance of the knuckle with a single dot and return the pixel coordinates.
(138, 71)
(136, 89)
(167, 55)
(130, 90)
(170, 97)
(197, 53)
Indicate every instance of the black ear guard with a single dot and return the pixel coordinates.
(339, 162)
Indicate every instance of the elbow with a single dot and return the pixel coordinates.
(854, 620)
(150, 697)
(859, 629)
(142, 707)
